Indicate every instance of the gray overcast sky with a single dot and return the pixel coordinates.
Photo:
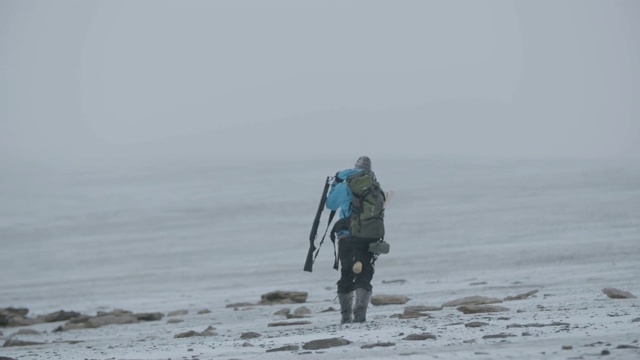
(116, 79)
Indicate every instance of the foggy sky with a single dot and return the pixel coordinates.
(91, 80)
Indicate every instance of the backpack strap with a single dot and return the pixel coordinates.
(325, 234)
(340, 225)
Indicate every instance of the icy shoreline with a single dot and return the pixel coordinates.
(157, 241)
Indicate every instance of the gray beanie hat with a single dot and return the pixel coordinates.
(363, 163)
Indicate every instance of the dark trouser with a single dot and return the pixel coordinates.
(350, 250)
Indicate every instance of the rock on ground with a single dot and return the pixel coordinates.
(521, 296)
(250, 335)
(285, 348)
(419, 337)
(18, 317)
(475, 324)
(191, 333)
(325, 343)
(284, 297)
(475, 309)
(379, 300)
(472, 300)
(618, 294)
(303, 310)
(109, 318)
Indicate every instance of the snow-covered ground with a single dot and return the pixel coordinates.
(203, 236)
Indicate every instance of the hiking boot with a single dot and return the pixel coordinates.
(362, 301)
(346, 307)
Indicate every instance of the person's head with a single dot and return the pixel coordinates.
(363, 163)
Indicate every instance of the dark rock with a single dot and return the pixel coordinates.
(15, 311)
(636, 320)
(521, 296)
(475, 324)
(247, 344)
(71, 342)
(249, 335)
(472, 300)
(15, 317)
(627, 347)
(605, 352)
(290, 323)
(325, 343)
(60, 315)
(285, 348)
(618, 294)
(379, 300)
(174, 321)
(498, 336)
(419, 337)
(284, 297)
(16, 342)
(379, 344)
(149, 316)
(329, 309)
(567, 347)
(187, 334)
(296, 316)
(102, 318)
(475, 309)
(86, 322)
(478, 283)
(204, 311)
(240, 305)
(6, 358)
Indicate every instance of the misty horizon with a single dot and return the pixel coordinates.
(147, 80)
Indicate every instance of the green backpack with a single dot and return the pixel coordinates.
(367, 206)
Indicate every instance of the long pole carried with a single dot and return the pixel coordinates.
(308, 265)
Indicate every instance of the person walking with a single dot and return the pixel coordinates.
(357, 193)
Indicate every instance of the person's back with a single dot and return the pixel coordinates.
(356, 261)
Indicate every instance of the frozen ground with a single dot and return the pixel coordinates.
(158, 239)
